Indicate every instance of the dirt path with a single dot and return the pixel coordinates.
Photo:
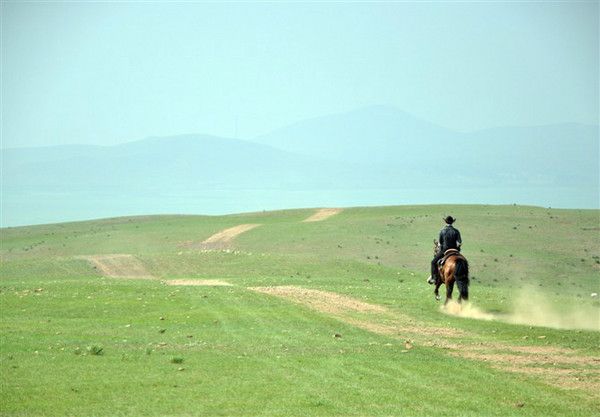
(119, 266)
(323, 301)
(227, 235)
(322, 214)
(222, 239)
(561, 367)
(371, 317)
(199, 282)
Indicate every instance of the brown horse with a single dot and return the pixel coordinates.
(454, 270)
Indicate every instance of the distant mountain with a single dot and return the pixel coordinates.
(376, 155)
(385, 139)
(185, 163)
(370, 136)
(561, 154)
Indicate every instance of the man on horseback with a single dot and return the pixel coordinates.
(449, 239)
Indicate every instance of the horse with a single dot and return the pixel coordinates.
(454, 270)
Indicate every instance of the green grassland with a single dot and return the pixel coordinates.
(75, 342)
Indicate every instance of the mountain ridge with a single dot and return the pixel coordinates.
(364, 150)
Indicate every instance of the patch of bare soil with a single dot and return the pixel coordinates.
(582, 379)
(322, 214)
(119, 266)
(557, 366)
(221, 239)
(199, 282)
(560, 367)
(398, 327)
(535, 350)
(529, 359)
(376, 319)
(323, 301)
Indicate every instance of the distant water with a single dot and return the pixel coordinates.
(27, 209)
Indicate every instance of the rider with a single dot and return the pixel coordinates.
(449, 239)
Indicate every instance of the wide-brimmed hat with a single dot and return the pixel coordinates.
(449, 219)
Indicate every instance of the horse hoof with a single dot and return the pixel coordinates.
(430, 281)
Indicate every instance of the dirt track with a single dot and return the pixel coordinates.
(323, 301)
(222, 239)
(560, 367)
(119, 266)
(322, 214)
(227, 235)
(374, 318)
(199, 282)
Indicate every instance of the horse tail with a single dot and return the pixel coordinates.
(461, 276)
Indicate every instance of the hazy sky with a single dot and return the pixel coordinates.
(112, 72)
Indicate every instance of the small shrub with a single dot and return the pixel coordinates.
(176, 360)
(95, 350)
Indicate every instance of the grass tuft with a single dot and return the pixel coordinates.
(95, 350)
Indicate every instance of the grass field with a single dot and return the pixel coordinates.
(322, 318)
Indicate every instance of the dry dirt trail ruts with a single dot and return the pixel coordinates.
(222, 239)
(119, 265)
(558, 366)
(322, 214)
(198, 282)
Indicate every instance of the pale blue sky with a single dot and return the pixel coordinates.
(113, 72)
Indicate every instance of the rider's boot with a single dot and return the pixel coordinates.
(434, 278)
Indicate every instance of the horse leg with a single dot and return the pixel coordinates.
(461, 275)
(449, 288)
(438, 282)
(463, 289)
(437, 289)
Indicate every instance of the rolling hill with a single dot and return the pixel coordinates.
(267, 314)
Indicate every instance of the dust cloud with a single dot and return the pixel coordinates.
(534, 309)
(468, 310)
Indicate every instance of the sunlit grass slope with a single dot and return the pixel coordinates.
(77, 342)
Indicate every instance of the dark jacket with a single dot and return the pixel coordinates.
(449, 238)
